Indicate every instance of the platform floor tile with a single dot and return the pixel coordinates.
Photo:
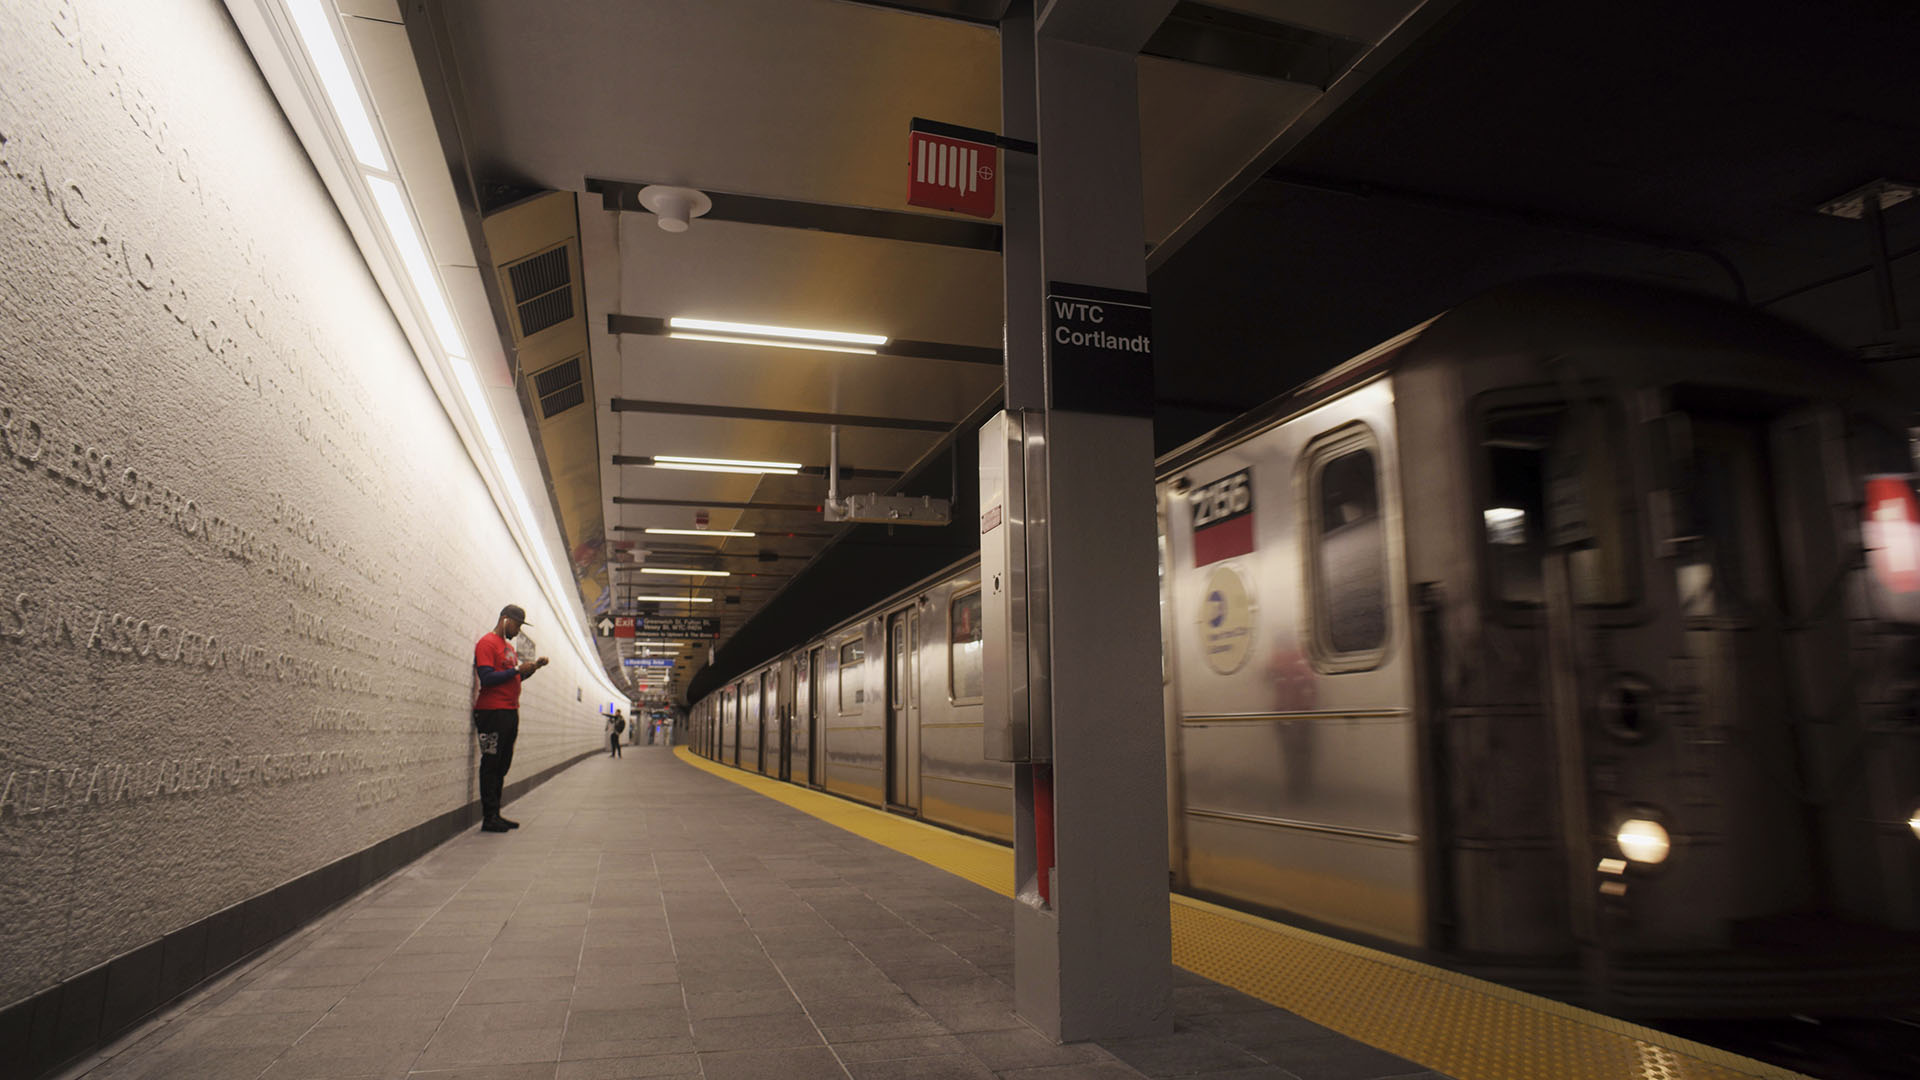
(651, 919)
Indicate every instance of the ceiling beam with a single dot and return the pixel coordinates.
(654, 326)
(631, 500)
(776, 534)
(779, 416)
(805, 470)
(978, 12)
(1401, 40)
(1250, 45)
(816, 217)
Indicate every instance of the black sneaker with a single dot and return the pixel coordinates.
(508, 822)
(495, 825)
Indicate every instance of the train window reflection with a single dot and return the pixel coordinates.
(964, 647)
(1349, 557)
(853, 692)
(1552, 477)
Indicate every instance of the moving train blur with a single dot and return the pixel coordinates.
(1571, 639)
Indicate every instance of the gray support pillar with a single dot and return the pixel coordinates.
(1094, 962)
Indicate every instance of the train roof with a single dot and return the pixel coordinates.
(1552, 316)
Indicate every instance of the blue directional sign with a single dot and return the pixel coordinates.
(649, 661)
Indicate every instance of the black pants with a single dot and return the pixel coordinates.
(613, 744)
(498, 728)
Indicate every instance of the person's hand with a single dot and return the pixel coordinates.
(540, 663)
(528, 667)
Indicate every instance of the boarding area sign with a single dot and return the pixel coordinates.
(951, 168)
(1099, 350)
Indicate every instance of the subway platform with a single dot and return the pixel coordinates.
(651, 919)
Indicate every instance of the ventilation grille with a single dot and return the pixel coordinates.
(542, 290)
(559, 388)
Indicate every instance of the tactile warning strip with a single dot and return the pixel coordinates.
(1464, 1027)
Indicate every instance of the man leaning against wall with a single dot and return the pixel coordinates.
(496, 711)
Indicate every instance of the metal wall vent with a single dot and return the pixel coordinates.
(542, 290)
(559, 388)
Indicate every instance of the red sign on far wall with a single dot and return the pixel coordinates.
(950, 172)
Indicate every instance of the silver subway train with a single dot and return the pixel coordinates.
(1571, 638)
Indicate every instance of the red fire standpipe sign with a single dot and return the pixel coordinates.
(951, 168)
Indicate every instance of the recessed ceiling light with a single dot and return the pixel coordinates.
(718, 326)
(699, 532)
(676, 599)
(729, 340)
(685, 573)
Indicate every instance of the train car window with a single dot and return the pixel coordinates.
(1349, 556)
(964, 650)
(1552, 479)
(853, 692)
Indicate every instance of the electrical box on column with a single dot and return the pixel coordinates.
(1016, 710)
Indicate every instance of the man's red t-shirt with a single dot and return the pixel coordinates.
(497, 653)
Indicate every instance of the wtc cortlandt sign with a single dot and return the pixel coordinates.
(1099, 349)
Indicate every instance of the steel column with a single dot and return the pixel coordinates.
(1092, 959)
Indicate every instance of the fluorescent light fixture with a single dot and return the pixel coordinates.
(406, 240)
(685, 573)
(732, 463)
(726, 465)
(662, 644)
(726, 340)
(699, 532)
(718, 326)
(677, 599)
(684, 467)
(323, 48)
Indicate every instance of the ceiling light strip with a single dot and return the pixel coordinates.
(699, 532)
(722, 327)
(725, 339)
(685, 573)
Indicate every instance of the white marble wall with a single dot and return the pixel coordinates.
(243, 555)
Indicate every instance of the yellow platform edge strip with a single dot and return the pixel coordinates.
(1464, 1027)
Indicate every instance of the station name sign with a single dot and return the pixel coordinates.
(1099, 349)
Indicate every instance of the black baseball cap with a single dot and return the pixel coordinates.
(515, 612)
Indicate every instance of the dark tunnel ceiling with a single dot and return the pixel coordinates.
(1624, 137)
(1683, 144)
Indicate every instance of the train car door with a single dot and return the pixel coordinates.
(816, 738)
(903, 706)
(773, 742)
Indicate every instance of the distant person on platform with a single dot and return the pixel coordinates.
(616, 724)
(496, 712)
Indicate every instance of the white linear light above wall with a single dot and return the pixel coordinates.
(700, 532)
(329, 64)
(323, 49)
(685, 573)
(674, 599)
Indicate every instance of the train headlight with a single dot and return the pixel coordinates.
(1644, 841)
(1914, 823)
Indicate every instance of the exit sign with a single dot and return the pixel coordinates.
(951, 168)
